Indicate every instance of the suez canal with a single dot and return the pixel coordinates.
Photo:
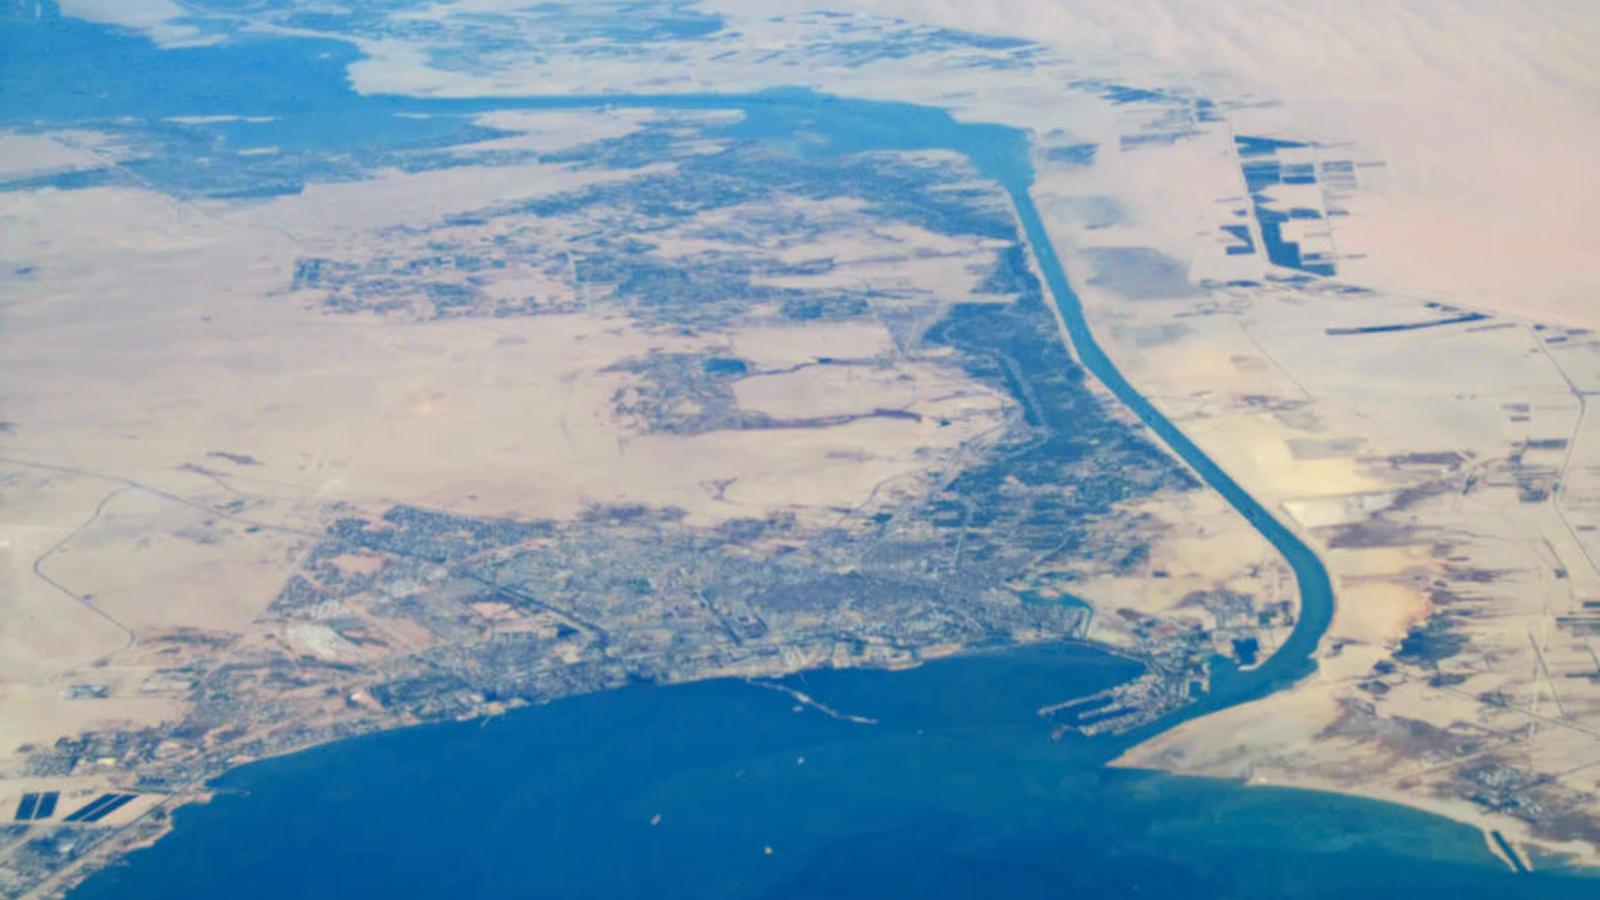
(366, 796)
(1011, 166)
(317, 108)
(1003, 155)
(1291, 661)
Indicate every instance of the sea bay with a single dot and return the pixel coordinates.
(956, 790)
(726, 788)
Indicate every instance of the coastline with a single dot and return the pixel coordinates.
(1291, 663)
(787, 757)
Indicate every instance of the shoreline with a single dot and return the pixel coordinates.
(105, 857)
(1577, 859)
(1292, 661)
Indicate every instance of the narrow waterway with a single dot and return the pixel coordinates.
(934, 782)
(1003, 154)
(1292, 660)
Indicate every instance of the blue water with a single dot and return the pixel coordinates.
(956, 791)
